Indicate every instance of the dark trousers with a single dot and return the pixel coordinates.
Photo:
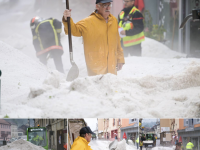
(135, 50)
(140, 147)
(56, 55)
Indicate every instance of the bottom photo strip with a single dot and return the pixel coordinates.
(100, 134)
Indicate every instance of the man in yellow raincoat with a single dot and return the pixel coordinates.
(82, 141)
(102, 47)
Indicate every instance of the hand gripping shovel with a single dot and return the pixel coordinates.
(74, 71)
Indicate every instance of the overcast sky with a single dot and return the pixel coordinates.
(91, 122)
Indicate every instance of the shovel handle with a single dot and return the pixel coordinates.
(69, 29)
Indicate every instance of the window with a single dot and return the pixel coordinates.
(119, 122)
(113, 122)
(2, 132)
(198, 120)
(187, 122)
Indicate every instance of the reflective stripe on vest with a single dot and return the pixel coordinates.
(48, 49)
(189, 145)
(131, 40)
(55, 33)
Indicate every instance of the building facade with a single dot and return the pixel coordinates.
(14, 130)
(189, 129)
(56, 132)
(100, 124)
(130, 128)
(74, 126)
(5, 129)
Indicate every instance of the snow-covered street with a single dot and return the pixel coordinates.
(103, 145)
(21, 145)
(147, 87)
(163, 148)
(162, 83)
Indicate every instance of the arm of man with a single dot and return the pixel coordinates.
(77, 29)
(138, 25)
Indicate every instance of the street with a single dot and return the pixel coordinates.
(104, 145)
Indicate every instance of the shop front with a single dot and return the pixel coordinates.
(192, 134)
(131, 132)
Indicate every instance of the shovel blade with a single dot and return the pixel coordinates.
(73, 73)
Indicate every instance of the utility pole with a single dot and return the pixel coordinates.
(29, 123)
(0, 88)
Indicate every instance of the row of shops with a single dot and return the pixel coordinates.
(111, 129)
(191, 132)
(56, 132)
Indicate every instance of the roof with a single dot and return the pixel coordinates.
(2, 121)
(11, 122)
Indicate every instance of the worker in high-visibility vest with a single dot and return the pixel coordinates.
(141, 144)
(137, 142)
(46, 40)
(189, 145)
(131, 28)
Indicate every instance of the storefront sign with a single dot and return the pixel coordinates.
(163, 129)
(189, 129)
(170, 1)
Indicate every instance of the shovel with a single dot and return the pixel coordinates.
(74, 71)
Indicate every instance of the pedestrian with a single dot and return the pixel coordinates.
(189, 145)
(46, 40)
(141, 144)
(82, 141)
(102, 48)
(182, 146)
(178, 146)
(65, 146)
(116, 137)
(137, 142)
(131, 28)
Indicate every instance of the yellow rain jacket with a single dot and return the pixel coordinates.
(101, 41)
(80, 144)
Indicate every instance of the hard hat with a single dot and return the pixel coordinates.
(34, 21)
